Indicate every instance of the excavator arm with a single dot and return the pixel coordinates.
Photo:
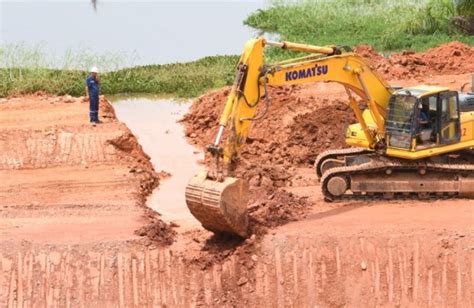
(325, 64)
(219, 201)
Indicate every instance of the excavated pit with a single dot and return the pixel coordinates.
(71, 204)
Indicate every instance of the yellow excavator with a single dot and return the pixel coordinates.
(414, 142)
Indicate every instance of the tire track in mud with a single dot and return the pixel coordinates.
(289, 272)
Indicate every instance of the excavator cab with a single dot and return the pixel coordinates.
(423, 117)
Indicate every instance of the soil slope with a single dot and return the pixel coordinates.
(64, 180)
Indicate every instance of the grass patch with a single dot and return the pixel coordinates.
(180, 79)
(387, 25)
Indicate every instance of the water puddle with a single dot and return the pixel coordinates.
(154, 122)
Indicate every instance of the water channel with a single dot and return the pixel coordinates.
(154, 122)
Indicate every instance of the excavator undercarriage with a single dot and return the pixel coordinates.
(356, 174)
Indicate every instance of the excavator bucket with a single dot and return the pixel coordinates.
(219, 206)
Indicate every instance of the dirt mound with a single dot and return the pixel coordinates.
(293, 132)
(370, 53)
(128, 146)
(157, 231)
(275, 211)
(311, 133)
(451, 58)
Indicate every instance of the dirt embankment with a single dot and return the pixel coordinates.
(305, 120)
(451, 58)
(64, 180)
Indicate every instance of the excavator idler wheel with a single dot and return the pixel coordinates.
(337, 186)
(221, 207)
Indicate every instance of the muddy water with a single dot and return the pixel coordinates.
(154, 123)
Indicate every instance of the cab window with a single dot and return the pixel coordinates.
(399, 124)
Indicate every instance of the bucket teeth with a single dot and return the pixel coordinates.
(219, 206)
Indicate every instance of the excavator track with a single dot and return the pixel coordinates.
(335, 154)
(398, 179)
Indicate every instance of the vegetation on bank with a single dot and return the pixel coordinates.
(387, 25)
(180, 79)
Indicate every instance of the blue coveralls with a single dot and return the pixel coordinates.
(93, 86)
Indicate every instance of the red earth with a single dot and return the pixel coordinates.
(75, 230)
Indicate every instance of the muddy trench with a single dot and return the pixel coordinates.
(154, 122)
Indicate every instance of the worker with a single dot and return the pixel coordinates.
(423, 114)
(93, 90)
(425, 131)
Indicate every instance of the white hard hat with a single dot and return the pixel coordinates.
(94, 69)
